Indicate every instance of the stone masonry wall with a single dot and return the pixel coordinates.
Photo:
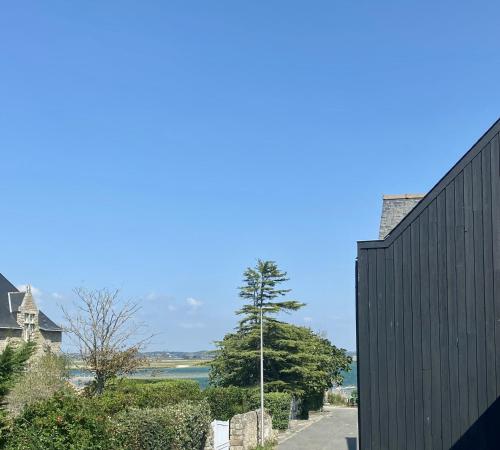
(394, 210)
(245, 429)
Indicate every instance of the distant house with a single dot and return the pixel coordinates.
(21, 320)
(428, 313)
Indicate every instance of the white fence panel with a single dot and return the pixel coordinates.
(221, 434)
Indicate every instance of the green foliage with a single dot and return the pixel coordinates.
(296, 360)
(260, 290)
(226, 402)
(266, 446)
(337, 399)
(13, 360)
(125, 394)
(63, 422)
(176, 427)
(5, 427)
(277, 404)
(44, 376)
(353, 401)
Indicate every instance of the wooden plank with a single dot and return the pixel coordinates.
(399, 344)
(489, 300)
(462, 393)
(417, 334)
(452, 310)
(470, 297)
(443, 322)
(391, 348)
(408, 344)
(425, 325)
(383, 379)
(477, 201)
(495, 213)
(363, 351)
(374, 378)
(435, 383)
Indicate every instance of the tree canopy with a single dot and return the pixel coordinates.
(296, 359)
(13, 360)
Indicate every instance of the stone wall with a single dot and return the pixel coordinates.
(10, 336)
(244, 430)
(394, 210)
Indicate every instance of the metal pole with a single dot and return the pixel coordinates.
(261, 378)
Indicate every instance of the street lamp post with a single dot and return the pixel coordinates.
(261, 377)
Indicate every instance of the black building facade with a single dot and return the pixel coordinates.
(428, 316)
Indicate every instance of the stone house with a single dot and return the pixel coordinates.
(21, 320)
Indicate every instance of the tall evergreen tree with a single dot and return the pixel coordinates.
(13, 360)
(296, 359)
(262, 289)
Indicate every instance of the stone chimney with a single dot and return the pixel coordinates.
(394, 209)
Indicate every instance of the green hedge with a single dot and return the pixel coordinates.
(278, 405)
(61, 423)
(71, 422)
(176, 427)
(127, 394)
(311, 402)
(225, 402)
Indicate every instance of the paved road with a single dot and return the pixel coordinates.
(336, 431)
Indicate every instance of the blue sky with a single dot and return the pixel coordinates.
(162, 147)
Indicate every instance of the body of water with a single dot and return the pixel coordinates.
(199, 374)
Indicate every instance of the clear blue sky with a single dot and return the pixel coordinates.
(162, 147)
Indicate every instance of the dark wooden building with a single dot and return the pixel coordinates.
(428, 316)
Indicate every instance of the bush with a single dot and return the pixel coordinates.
(312, 401)
(353, 400)
(176, 427)
(126, 394)
(226, 402)
(44, 376)
(278, 404)
(62, 422)
(337, 399)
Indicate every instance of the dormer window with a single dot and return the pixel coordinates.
(29, 326)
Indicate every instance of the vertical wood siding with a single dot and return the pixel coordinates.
(428, 317)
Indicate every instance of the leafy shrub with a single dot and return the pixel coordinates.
(126, 394)
(44, 376)
(336, 399)
(62, 422)
(353, 400)
(312, 401)
(226, 402)
(176, 427)
(278, 405)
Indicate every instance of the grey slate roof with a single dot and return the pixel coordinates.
(394, 210)
(46, 324)
(15, 299)
(8, 318)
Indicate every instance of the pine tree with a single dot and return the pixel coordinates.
(13, 360)
(296, 359)
(262, 289)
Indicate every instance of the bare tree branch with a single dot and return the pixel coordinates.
(105, 331)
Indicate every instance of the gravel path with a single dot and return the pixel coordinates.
(336, 430)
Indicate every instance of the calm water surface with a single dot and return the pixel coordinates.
(199, 374)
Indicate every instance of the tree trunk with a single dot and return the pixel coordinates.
(100, 380)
